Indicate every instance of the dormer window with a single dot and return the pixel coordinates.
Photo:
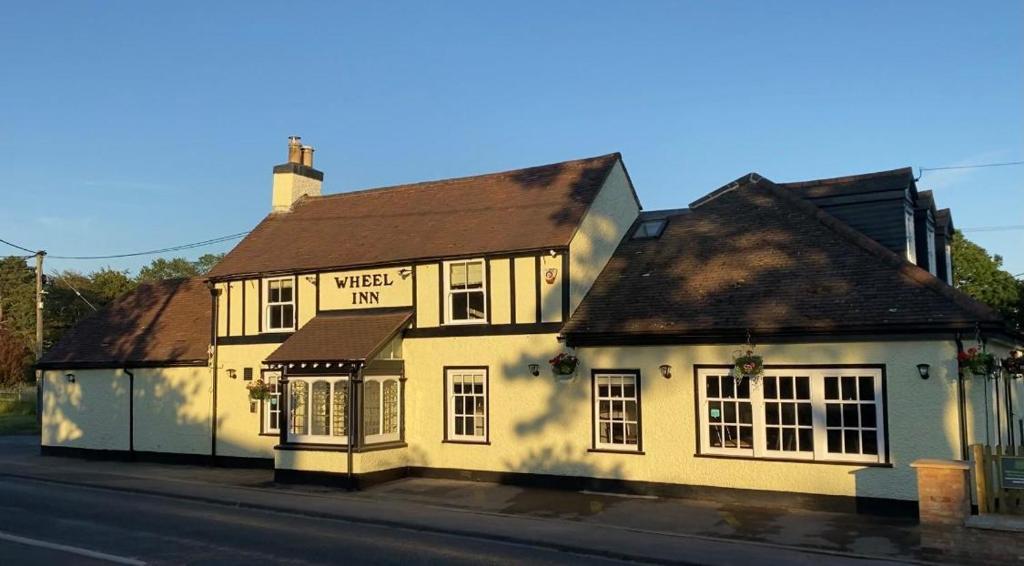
(911, 241)
(649, 229)
(933, 267)
(280, 304)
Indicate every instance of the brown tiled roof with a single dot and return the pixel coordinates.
(158, 323)
(759, 258)
(525, 209)
(343, 336)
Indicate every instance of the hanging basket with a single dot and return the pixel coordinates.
(977, 363)
(1014, 364)
(564, 365)
(259, 390)
(747, 364)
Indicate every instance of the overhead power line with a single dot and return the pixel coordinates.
(134, 254)
(978, 166)
(994, 228)
(16, 246)
(76, 291)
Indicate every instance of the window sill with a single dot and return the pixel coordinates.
(313, 447)
(390, 445)
(796, 461)
(273, 434)
(611, 451)
(480, 442)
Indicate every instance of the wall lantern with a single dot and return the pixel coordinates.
(70, 377)
(666, 371)
(232, 374)
(534, 369)
(923, 369)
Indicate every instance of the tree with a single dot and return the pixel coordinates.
(981, 276)
(178, 267)
(17, 296)
(15, 359)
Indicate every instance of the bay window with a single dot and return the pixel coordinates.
(831, 414)
(318, 409)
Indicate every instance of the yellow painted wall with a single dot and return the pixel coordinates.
(551, 293)
(428, 310)
(172, 409)
(237, 307)
(238, 429)
(526, 289)
(500, 293)
(306, 296)
(90, 413)
(610, 215)
(222, 309)
(342, 290)
(539, 425)
(252, 307)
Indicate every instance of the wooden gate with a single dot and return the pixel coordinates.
(988, 467)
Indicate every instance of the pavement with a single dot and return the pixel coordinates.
(549, 526)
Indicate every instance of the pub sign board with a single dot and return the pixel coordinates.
(369, 288)
(1013, 473)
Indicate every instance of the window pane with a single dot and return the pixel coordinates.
(479, 430)
(631, 436)
(867, 416)
(475, 275)
(339, 409)
(715, 436)
(849, 388)
(746, 414)
(773, 438)
(835, 441)
(803, 388)
(605, 430)
(788, 414)
(852, 441)
(789, 439)
(712, 385)
(743, 388)
(850, 418)
(297, 396)
(728, 388)
(746, 437)
(460, 306)
(730, 412)
(786, 387)
(274, 292)
(870, 445)
(287, 316)
(458, 276)
(631, 411)
(459, 429)
(867, 388)
(320, 411)
(459, 408)
(371, 407)
(831, 387)
(629, 389)
(475, 305)
(771, 390)
(833, 416)
(604, 410)
(715, 411)
(390, 407)
(806, 438)
(479, 406)
(286, 291)
(803, 412)
(771, 413)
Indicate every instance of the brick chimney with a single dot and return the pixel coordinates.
(296, 178)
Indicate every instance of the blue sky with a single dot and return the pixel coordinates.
(131, 125)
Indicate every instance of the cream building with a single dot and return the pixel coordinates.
(408, 331)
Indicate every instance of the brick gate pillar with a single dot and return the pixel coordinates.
(943, 491)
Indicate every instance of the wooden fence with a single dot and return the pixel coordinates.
(993, 496)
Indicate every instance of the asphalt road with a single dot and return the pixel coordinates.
(45, 523)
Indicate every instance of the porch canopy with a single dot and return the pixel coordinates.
(342, 336)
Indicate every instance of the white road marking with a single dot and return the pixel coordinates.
(71, 549)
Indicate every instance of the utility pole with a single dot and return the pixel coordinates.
(39, 334)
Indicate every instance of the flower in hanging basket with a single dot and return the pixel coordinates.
(748, 364)
(259, 390)
(976, 362)
(1014, 364)
(564, 364)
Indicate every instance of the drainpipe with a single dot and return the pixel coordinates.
(131, 413)
(961, 400)
(214, 302)
(353, 407)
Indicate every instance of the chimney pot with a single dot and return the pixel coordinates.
(307, 155)
(294, 149)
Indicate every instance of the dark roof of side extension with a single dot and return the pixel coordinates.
(526, 209)
(754, 256)
(165, 323)
(343, 336)
(893, 179)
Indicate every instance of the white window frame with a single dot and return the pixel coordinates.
(307, 437)
(933, 267)
(949, 262)
(381, 381)
(820, 453)
(624, 446)
(267, 304)
(911, 237)
(449, 292)
(273, 380)
(450, 405)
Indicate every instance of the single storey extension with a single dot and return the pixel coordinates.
(537, 326)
